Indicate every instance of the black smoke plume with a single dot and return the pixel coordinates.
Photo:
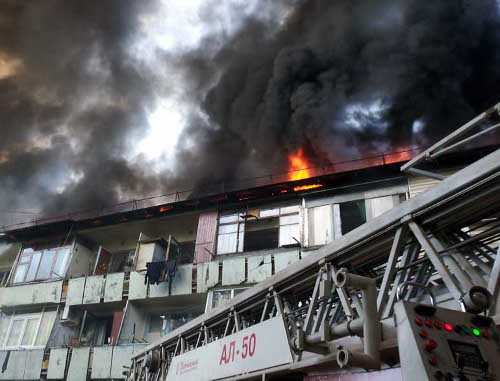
(345, 78)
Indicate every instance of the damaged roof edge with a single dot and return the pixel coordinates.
(150, 208)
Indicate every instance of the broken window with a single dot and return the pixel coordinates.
(289, 223)
(49, 263)
(230, 234)
(352, 215)
(26, 329)
(261, 234)
(183, 253)
(122, 261)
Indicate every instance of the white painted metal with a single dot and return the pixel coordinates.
(33, 364)
(101, 362)
(210, 362)
(415, 357)
(182, 282)
(320, 225)
(259, 268)
(283, 260)
(121, 357)
(57, 363)
(74, 296)
(137, 288)
(379, 205)
(30, 294)
(94, 287)
(79, 364)
(207, 276)
(233, 271)
(16, 365)
(113, 289)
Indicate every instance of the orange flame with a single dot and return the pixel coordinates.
(298, 166)
(306, 187)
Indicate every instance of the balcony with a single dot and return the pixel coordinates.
(74, 364)
(31, 294)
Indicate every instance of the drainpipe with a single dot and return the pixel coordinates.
(370, 358)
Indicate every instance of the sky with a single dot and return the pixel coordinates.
(103, 102)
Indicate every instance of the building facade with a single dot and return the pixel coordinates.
(75, 302)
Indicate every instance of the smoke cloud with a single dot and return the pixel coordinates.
(341, 78)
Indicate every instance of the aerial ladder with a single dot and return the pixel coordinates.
(415, 291)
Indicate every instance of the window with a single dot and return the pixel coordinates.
(230, 234)
(275, 227)
(41, 265)
(289, 223)
(19, 330)
(165, 322)
(261, 234)
(352, 215)
(219, 297)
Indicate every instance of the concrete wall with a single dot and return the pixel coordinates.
(31, 294)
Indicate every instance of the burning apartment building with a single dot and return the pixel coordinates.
(297, 119)
(80, 295)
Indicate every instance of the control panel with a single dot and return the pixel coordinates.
(441, 344)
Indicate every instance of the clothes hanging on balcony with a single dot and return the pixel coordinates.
(159, 272)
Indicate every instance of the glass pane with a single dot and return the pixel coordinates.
(226, 243)
(30, 332)
(224, 229)
(15, 333)
(226, 219)
(288, 233)
(269, 212)
(4, 326)
(287, 220)
(220, 297)
(175, 321)
(60, 266)
(238, 291)
(290, 209)
(20, 273)
(45, 268)
(25, 258)
(33, 266)
(46, 324)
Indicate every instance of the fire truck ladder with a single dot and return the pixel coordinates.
(316, 314)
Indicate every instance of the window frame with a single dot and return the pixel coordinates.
(209, 303)
(279, 212)
(240, 231)
(30, 255)
(25, 317)
(168, 316)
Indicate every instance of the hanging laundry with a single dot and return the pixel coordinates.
(159, 272)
